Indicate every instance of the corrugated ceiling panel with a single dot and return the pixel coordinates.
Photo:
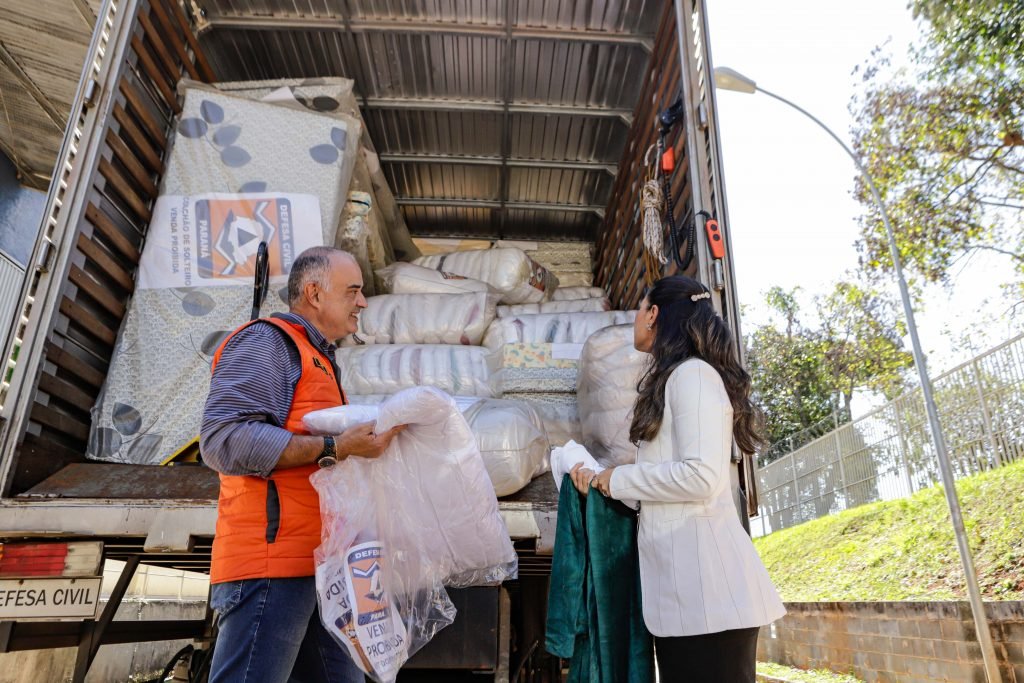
(437, 65)
(583, 74)
(482, 12)
(568, 138)
(435, 132)
(444, 181)
(631, 16)
(559, 186)
(238, 55)
(551, 225)
(447, 220)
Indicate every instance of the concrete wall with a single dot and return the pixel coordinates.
(114, 663)
(908, 642)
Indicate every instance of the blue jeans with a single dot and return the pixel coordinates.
(269, 631)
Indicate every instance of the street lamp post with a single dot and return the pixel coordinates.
(728, 79)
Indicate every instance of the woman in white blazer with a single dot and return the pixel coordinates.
(705, 591)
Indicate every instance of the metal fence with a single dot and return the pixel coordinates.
(888, 454)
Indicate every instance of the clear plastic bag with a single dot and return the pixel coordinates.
(570, 306)
(573, 293)
(408, 278)
(515, 275)
(552, 328)
(399, 528)
(424, 319)
(509, 434)
(606, 391)
(389, 368)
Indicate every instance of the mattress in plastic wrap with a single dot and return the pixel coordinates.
(535, 367)
(572, 293)
(389, 368)
(424, 319)
(335, 96)
(408, 278)
(606, 391)
(511, 436)
(552, 328)
(518, 278)
(573, 306)
(238, 170)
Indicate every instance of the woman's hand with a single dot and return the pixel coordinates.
(603, 482)
(583, 479)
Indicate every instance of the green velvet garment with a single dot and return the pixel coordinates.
(594, 612)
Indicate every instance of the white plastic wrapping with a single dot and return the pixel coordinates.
(606, 391)
(552, 328)
(510, 434)
(408, 278)
(572, 306)
(389, 368)
(572, 293)
(561, 420)
(512, 441)
(398, 528)
(515, 275)
(424, 319)
(243, 161)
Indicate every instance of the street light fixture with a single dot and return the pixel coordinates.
(729, 79)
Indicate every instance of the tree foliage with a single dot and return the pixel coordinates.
(804, 373)
(944, 140)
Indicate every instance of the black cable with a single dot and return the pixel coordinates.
(169, 669)
(261, 280)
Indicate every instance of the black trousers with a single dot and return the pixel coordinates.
(724, 657)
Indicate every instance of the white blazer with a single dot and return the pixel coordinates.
(699, 571)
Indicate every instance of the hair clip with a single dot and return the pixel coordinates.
(698, 297)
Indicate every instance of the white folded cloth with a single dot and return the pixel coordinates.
(564, 458)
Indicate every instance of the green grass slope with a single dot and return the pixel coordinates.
(905, 549)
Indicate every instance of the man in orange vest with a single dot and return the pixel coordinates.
(266, 376)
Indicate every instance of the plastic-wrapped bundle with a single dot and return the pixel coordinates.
(515, 275)
(511, 436)
(424, 319)
(552, 328)
(561, 420)
(573, 306)
(572, 293)
(398, 528)
(512, 441)
(389, 368)
(408, 278)
(606, 391)
(237, 168)
(394, 221)
(536, 367)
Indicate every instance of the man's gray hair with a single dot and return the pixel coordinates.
(312, 265)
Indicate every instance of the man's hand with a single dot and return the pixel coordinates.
(360, 440)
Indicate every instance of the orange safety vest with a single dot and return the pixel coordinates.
(268, 528)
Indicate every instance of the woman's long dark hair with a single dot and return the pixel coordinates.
(691, 329)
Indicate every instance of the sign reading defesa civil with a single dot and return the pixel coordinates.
(58, 598)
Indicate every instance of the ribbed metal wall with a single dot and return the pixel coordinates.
(11, 274)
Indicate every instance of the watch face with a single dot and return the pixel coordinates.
(326, 461)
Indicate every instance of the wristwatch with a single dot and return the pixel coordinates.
(329, 455)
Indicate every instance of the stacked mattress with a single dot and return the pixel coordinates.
(238, 170)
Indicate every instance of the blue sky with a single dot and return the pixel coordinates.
(789, 186)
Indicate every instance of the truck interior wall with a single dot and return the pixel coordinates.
(97, 278)
(619, 265)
